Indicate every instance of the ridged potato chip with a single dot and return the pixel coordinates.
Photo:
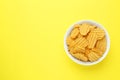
(76, 41)
(87, 51)
(100, 33)
(77, 49)
(92, 56)
(84, 29)
(74, 33)
(69, 40)
(92, 38)
(77, 26)
(98, 51)
(80, 56)
(92, 27)
(83, 42)
(102, 44)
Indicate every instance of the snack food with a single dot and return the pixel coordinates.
(80, 56)
(92, 56)
(86, 42)
(84, 29)
(74, 33)
(101, 44)
(92, 38)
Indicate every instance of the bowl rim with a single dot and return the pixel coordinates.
(81, 62)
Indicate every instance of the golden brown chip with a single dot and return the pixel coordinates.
(92, 56)
(69, 40)
(92, 27)
(79, 35)
(80, 40)
(100, 33)
(87, 51)
(75, 41)
(77, 26)
(101, 44)
(84, 29)
(92, 38)
(74, 33)
(77, 50)
(97, 51)
(80, 56)
(83, 42)
(71, 50)
(78, 45)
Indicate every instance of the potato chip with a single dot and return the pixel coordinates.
(92, 38)
(84, 29)
(83, 42)
(80, 56)
(87, 51)
(92, 27)
(69, 40)
(92, 56)
(102, 44)
(77, 26)
(74, 33)
(97, 51)
(100, 33)
(76, 41)
(77, 49)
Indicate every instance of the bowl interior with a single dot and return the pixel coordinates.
(81, 62)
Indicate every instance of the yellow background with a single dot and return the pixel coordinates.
(31, 39)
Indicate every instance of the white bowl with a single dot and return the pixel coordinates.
(81, 62)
